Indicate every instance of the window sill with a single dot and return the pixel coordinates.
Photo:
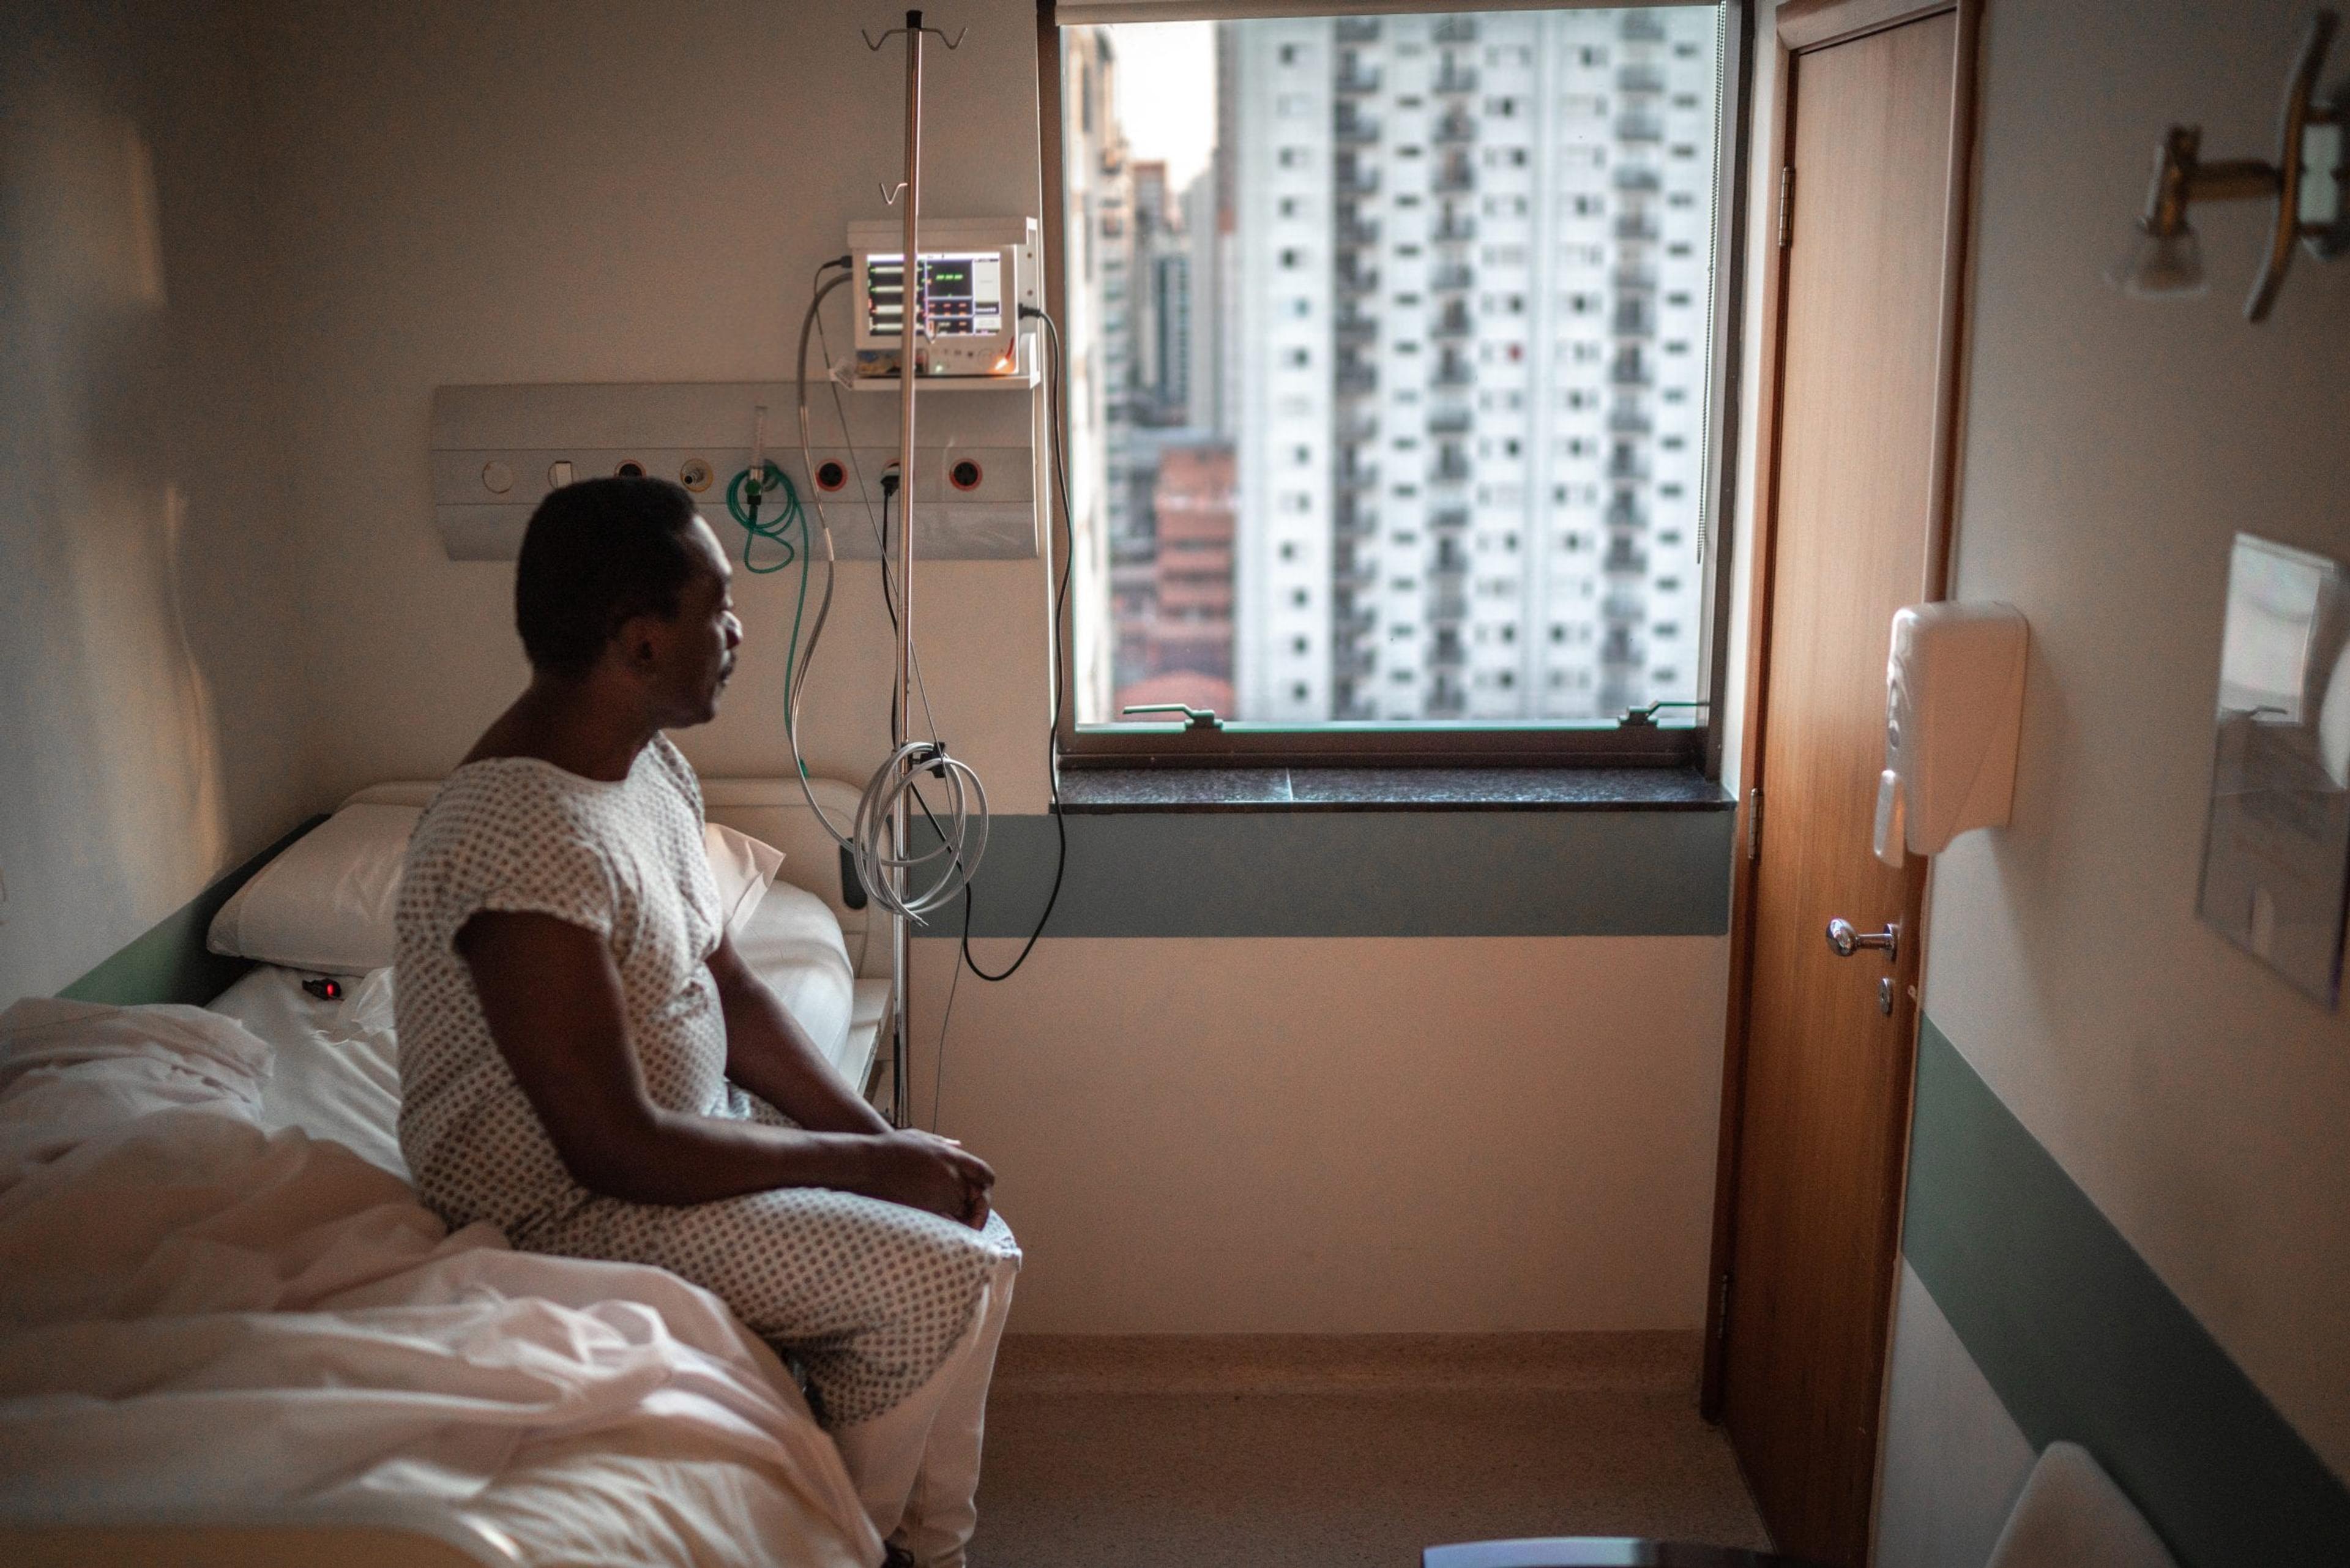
(1090, 790)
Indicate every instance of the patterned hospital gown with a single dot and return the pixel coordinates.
(870, 1295)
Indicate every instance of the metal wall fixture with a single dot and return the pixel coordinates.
(2308, 184)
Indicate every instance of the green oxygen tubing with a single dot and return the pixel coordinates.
(744, 498)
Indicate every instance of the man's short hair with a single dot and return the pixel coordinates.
(597, 554)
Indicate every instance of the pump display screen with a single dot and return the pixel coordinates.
(961, 294)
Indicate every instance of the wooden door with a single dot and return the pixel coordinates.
(1823, 1104)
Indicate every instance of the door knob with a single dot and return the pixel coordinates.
(1847, 939)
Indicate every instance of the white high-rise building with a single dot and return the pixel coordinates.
(1468, 288)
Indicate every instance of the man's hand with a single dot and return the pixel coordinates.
(923, 1170)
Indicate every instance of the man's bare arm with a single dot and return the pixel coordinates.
(554, 1005)
(770, 1054)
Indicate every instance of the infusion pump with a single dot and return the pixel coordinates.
(972, 277)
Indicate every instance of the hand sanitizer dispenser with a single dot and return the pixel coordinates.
(1953, 709)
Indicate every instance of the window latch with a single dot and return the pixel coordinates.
(1645, 718)
(1193, 718)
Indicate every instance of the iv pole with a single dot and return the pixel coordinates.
(909, 297)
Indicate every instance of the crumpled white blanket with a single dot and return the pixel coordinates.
(195, 1313)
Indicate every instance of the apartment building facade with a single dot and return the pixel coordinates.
(1470, 267)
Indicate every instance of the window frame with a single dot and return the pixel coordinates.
(1397, 743)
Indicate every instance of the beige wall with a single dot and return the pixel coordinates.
(1344, 1136)
(2112, 448)
(550, 193)
(152, 719)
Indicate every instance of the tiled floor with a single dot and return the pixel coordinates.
(1210, 1453)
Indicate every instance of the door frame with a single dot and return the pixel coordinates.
(1799, 26)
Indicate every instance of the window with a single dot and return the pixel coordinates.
(1401, 460)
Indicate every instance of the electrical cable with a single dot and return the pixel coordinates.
(963, 836)
(792, 691)
(1057, 409)
(1052, 747)
(879, 517)
(938, 1057)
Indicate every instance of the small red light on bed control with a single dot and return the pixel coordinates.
(324, 989)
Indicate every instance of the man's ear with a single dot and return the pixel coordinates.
(639, 640)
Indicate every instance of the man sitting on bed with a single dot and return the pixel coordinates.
(587, 1062)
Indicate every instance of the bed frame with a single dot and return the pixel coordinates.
(170, 963)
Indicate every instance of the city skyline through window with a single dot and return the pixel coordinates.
(1390, 364)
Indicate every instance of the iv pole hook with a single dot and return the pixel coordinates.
(875, 44)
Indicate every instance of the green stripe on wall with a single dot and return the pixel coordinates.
(1367, 874)
(2083, 1341)
(1217, 874)
(169, 960)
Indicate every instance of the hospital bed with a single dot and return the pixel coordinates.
(194, 1186)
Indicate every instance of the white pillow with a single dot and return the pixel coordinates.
(744, 868)
(326, 905)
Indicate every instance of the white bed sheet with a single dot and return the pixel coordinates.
(196, 1315)
(334, 1068)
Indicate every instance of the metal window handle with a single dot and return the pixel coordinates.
(1846, 939)
(1193, 718)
